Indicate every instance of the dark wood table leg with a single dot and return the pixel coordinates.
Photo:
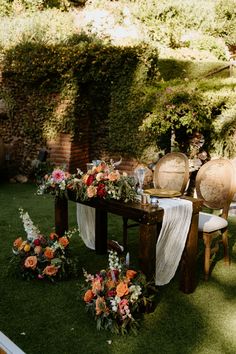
(100, 231)
(61, 215)
(188, 262)
(147, 248)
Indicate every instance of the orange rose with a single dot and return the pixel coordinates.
(88, 296)
(130, 274)
(97, 286)
(101, 306)
(50, 270)
(122, 289)
(53, 235)
(114, 176)
(17, 243)
(48, 253)
(31, 262)
(63, 241)
(37, 249)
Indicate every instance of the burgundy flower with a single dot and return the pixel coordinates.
(101, 191)
(37, 242)
(111, 293)
(90, 180)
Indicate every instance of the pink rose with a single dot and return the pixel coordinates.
(58, 175)
(92, 191)
(114, 176)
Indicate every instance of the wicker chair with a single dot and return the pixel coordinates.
(215, 186)
(171, 172)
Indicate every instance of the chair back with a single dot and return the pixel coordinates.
(215, 184)
(172, 172)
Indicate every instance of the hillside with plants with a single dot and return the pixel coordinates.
(140, 71)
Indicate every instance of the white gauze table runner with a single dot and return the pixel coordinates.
(172, 237)
(86, 224)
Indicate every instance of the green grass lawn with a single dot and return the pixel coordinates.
(45, 318)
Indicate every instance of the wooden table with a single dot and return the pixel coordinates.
(150, 218)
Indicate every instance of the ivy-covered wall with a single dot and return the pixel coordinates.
(52, 89)
(120, 100)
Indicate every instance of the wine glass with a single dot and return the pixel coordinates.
(140, 173)
(89, 166)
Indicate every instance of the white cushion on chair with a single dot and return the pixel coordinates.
(209, 222)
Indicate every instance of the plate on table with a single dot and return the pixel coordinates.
(162, 193)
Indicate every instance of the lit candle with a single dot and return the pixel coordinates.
(127, 260)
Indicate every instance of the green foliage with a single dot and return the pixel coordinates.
(5, 7)
(179, 109)
(47, 27)
(55, 76)
(226, 20)
(60, 82)
(16, 7)
(212, 45)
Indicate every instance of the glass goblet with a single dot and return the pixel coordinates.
(140, 173)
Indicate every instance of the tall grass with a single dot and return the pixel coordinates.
(50, 318)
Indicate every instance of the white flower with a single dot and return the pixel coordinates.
(135, 291)
(31, 230)
(99, 176)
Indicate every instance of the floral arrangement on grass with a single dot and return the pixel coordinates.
(117, 297)
(39, 256)
(103, 181)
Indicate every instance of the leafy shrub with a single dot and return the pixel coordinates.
(225, 24)
(179, 110)
(16, 7)
(212, 45)
(48, 27)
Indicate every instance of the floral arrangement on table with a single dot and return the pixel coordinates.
(58, 182)
(117, 297)
(39, 256)
(103, 181)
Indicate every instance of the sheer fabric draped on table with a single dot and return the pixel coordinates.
(86, 224)
(171, 240)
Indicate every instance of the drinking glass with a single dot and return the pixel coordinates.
(89, 165)
(140, 173)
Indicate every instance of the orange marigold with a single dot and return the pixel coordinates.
(122, 289)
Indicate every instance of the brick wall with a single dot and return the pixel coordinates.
(75, 153)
